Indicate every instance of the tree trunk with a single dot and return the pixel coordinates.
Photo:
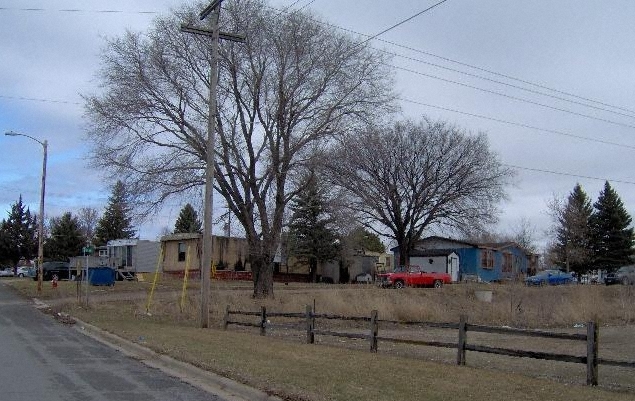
(262, 273)
(313, 270)
(404, 255)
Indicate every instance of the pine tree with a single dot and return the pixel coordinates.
(572, 249)
(612, 238)
(66, 238)
(116, 222)
(361, 238)
(188, 221)
(310, 238)
(20, 240)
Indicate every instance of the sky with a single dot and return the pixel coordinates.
(550, 82)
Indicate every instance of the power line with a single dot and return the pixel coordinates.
(427, 75)
(568, 174)
(510, 85)
(77, 10)
(33, 99)
(513, 97)
(489, 71)
(584, 138)
(371, 37)
(305, 6)
(400, 23)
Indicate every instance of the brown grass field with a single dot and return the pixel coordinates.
(343, 369)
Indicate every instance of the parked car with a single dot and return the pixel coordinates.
(60, 269)
(623, 275)
(550, 277)
(6, 272)
(25, 271)
(413, 276)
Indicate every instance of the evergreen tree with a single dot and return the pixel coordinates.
(5, 245)
(612, 236)
(19, 234)
(116, 222)
(361, 238)
(572, 249)
(66, 238)
(188, 221)
(310, 238)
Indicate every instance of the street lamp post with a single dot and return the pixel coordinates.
(40, 246)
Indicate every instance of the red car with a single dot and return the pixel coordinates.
(413, 276)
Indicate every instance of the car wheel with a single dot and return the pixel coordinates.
(21, 275)
(438, 283)
(399, 284)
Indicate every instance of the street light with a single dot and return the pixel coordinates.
(40, 247)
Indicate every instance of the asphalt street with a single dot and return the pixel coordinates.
(43, 359)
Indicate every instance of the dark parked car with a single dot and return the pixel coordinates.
(550, 277)
(623, 275)
(60, 269)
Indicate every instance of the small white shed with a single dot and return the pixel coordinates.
(439, 261)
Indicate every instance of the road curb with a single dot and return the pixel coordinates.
(225, 388)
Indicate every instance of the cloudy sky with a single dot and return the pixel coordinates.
(550, 82)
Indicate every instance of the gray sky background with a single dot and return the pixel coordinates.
(563, 68)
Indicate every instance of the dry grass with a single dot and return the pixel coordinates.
(512, 304)
(298, 371)
(301, 372)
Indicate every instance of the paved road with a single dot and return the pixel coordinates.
(42, 359)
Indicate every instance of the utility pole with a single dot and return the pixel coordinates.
(212, 9)
(40, 246)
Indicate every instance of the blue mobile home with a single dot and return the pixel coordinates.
(480, 261)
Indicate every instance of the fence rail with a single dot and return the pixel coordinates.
(591, 358)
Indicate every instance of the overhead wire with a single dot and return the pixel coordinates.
(537, 92)
(482, 69)
(401, 22)
(568, 174)
(517, 124)
(33, 99)
(375, 36)
(513, 97)
(77, 10)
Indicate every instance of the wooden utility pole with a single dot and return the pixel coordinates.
(212, 9)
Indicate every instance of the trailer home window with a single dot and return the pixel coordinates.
(508, 262)
(181, 251)
(487, 259)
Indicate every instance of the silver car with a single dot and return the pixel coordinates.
(8, 272)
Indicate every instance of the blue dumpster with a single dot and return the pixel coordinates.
(101, 276)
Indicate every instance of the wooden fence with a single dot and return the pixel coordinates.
(308, 319)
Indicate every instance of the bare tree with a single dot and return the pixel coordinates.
(571, 248)
(412, 177)
(87, 218)
(291, 88)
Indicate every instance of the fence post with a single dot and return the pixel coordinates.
(263, 320)
(592, 354)
(374, 330)
(310, 324)
(226, 319)
(460, 356)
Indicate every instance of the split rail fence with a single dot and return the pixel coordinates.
(309, 321)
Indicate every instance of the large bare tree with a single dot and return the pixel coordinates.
(292, 87)
(412, 177)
